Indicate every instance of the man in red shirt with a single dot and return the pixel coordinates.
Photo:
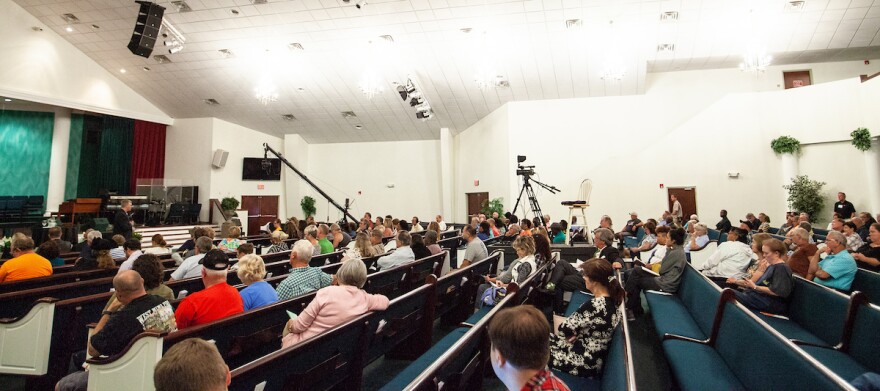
(520, 338)
(218, 299)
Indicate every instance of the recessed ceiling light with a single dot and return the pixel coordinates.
(211, 102)
(226, 53)
(162, 59)
(295, 46)
(288, 117)
(95, 27)
(255, 2)
(359, 127)
(122, 70)
(234, 11)
(68, 29)
(348, 114)
(70, 18)
(669, 16)
(37, 28)
(573, 23)
(300, 89)
(146, 69)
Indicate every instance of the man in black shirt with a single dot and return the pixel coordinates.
(122, 221)
(631, 226)
(724, 224)
(132, 312)
(844, 208)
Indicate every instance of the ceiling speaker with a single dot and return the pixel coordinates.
(219, 160)
(146, 29)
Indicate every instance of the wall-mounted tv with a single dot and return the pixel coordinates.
(259, 169)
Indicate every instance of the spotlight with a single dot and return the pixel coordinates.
(361, 4)
(402, 91)
(171, 42)
(175, 49)
(416, 101)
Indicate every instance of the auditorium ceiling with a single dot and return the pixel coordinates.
(533, 49)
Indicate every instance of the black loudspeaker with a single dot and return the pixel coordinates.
(146, 29)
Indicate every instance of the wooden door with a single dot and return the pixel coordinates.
(261, 210)
(687, 196)
(474, 204)
(795, 79)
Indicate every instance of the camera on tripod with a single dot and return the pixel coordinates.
(521, 169)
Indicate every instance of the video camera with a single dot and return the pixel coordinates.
(521, 169)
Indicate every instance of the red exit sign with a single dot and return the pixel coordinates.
(261, 187)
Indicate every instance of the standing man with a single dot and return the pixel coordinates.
(844, 208)
(122, 220)
(676, 210)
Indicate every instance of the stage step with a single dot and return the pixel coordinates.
(174, 235)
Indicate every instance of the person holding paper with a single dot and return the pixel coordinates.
(668, 280)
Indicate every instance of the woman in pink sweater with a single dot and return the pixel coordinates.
(335, 305)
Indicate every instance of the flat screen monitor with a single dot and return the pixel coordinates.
(259, 169)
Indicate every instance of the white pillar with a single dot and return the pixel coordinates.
(872, 172)
(447, 154)
(789, 171)
(58, 161)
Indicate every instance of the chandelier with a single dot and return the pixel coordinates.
(371, 85)
(265, 92)
(486, 77)
(613, 69)
(755, 61)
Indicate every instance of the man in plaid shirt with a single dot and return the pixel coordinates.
(520, 350)
(303, 278)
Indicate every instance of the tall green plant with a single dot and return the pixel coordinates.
(493, 205)
(805, 195)
(785, 144)
(861, 139)
(308, 206)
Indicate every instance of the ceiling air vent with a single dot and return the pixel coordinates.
(669, 16)
(666, 48)
(162, 59)
(181, 6)
(211, 102)
(288, 117)
(795, 6)
(348, 114)
(70, 18)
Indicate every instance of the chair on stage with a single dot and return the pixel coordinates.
(579, 206)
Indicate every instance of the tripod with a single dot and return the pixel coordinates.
(530, 193)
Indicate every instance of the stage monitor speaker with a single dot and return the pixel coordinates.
(220, 158)
(101, 224)
(146, 29)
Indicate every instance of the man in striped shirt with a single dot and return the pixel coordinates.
(303, 278)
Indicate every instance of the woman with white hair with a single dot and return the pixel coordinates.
(335, 305)
(698, 239)
(278, 244)
(258, 293)
(311, 234)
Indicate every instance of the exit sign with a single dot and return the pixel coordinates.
(261, 187)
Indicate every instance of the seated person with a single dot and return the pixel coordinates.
(335, 305)
(192, 266)
(25, 264)
(100, 259)
(476, 250)
(519, 269)
(557, 233)
(520, 350)
(418, 247)
(85, 248)
(376, 240)
(158, 245)
(868, 256)
(132, 248)
(431, 243)
(311, 233)
(49, 250)
(671, 270)
(853, 240)
(63, 245)
(362, 247)
(133, 311)
(838, 269)
(339, 238)
(770, 286)
(863, 225)
(765, 223)
(231, 242)
(302, 278)
(218, 300)
(484, 232)
(151, 270)
(799, 260)
(118, 252)
(790, 223)
(731, 259)
(258, 293)
(647, 242)
(525, 227)
(416, 227)
(493, 227)
(698, 240)
(723, 225)
(403, 254)
(631, 226)
(566, 278)
(324, 243)
(244, 249)
(277, 239)
(178, 371)
(581, 344)
(655, 256)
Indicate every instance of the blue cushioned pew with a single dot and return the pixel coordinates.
(867, 282)
(714, 343)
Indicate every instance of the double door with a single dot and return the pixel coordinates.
(261, 210)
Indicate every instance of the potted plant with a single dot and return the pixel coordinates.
(785, 145)
(805, 195)
(5, 248)
(229, 205)
(308, 206)
(493, 205)
(861, 139)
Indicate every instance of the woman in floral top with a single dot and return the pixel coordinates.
(581, 344)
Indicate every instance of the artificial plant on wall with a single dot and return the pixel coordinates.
(308, 206)
(493, 205)
(785, 144)
(805, 195)
(229, 205)
(861, 139)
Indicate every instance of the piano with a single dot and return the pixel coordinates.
(79, 205)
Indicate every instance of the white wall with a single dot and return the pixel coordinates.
(43, 67)
(188, 156)
(483, 153)
(342, 170)
(296, 151)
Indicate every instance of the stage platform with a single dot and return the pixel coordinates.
(174, 235)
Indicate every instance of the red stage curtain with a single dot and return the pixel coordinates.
(148, 152)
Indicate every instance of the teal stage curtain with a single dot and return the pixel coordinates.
(25, 150)
(114, 162)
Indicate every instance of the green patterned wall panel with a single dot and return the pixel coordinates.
(25, 150)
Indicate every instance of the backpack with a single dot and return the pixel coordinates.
(493, 295)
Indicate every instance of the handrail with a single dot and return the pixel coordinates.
(213, 202)
(865, 78)
(627, 345)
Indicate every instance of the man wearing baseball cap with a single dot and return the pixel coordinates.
(631, 226)
(218, 299)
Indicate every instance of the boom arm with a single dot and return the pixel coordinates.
(344, 211)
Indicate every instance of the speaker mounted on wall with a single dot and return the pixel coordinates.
(219, 160)
(146, 29)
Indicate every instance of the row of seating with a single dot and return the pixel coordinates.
(713, 342)
(20, 208)
(253, 337)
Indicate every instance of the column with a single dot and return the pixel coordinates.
(872, 173)
(58, 161)
(789, 171)
(447, 187)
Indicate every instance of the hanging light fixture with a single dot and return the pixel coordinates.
(265, 92)
(371, 83)
(486, 74)
(613, 69)
(755, 59)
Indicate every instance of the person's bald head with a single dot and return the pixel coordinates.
(129, 286)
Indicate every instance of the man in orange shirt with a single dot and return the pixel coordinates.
(26, 263)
